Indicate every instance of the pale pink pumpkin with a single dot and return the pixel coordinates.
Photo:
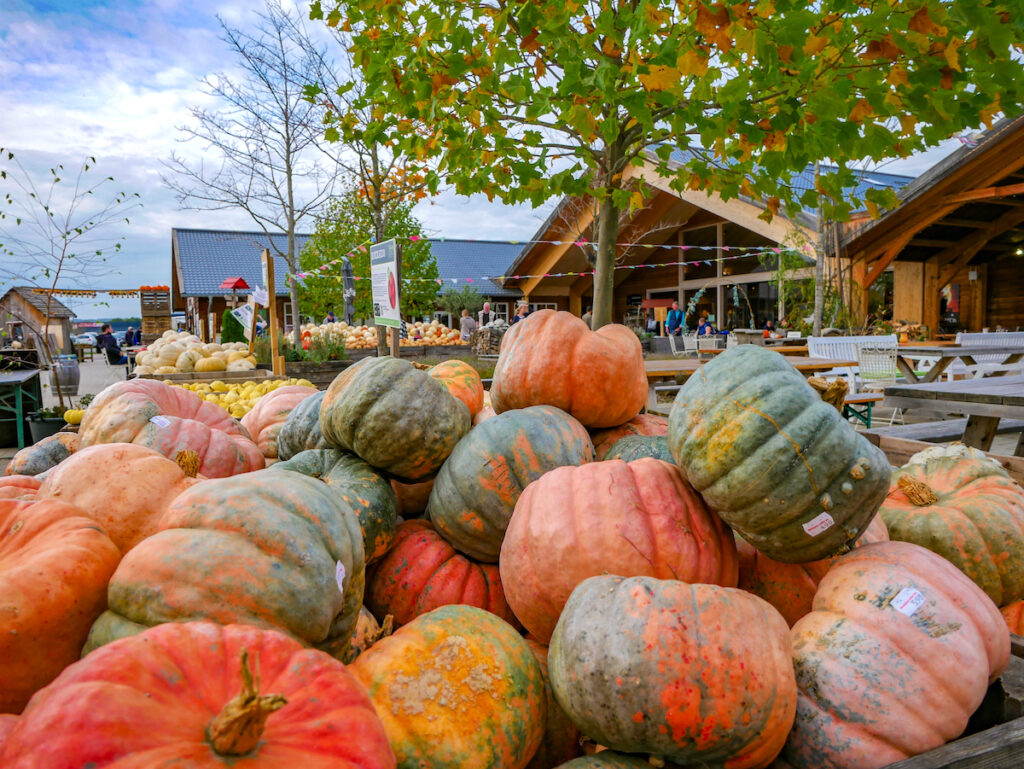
(268, 416)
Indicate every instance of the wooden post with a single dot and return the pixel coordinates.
(252, 324)
(680, 270)
(276, 360)
(396, 333)
(931, 291)
(720, 288)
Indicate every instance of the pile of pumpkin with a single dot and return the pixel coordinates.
(238, 398)
(421, 334)
(569, 576)
(178, 352)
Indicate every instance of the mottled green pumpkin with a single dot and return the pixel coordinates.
(606, 759)
(397, 418)
(476, 491)
(301, 430)
(255, 549)
(779, 465)
(634, 447)
(359, 486)
(40, 457)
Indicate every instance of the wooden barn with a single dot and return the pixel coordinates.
(23, 311)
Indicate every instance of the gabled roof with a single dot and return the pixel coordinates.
(474, 259)
(38, 301)
(204, 258)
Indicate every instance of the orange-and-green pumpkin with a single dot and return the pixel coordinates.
(462, 381)
(697, 674)
(969, 511)
(633, 447)
(1014, 616)
(456, 687)
(641, 425)
(476, 490)
(606, 759)
(41, 456)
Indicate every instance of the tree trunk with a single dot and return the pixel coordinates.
(293, 291)
(819, 268)
(604, 269)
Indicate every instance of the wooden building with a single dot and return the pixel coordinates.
(23, 311)
(955, 245)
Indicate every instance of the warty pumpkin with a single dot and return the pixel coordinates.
(969, 511)
(456, 688)
(40, 457)
(54, 567)
(641, 425)
(636, 519)
(394, 416)
(780, 466)
(697, 674)
(422, 572)
(553, 358)
(251, 549)
(633, 447)
(265, 420)
(301, 429)
(204, 696)
(462, 381)
(896, 655)
(476, 490)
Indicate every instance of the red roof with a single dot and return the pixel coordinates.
(234, 283)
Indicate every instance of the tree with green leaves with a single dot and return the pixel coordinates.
(454, 301)
(346, 226)
(528, 100)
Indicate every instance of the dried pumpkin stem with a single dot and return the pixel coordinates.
(918, 492)
(188, 461)
(237, 729)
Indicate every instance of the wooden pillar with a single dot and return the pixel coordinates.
(908, 291)
(680, 268)
(575, 303)
(719, 289)
(859, 289)
(930, 304)
(978, 294)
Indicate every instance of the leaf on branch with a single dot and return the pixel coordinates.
(923, 23)
(660, 77)
(815, 44)
(609, 47)
(715, 24)
(989, 112)
(861, 110)
(897, 76)
(947, 78)
(785, 53)
(952, 54)
(692, 62)
(885, 48)
(771, 209)
(529, 42)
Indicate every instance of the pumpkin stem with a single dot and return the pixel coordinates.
(188, 461)
(237, 729)
(918, 492)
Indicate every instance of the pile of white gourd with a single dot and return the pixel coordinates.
(178, 352)
(365, 337)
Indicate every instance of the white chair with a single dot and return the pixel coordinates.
(877, 368)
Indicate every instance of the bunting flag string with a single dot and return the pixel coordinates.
(88, 293)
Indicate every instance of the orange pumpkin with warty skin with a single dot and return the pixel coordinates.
(641, 424)
(463, 382)
(553, 358)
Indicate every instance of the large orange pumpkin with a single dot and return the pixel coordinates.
(204, 696)
(969, 511)
(422, 572)
(7, 724)
(1014, 616)
(697, 674)
(790, 587)
(635, 519)
(168, 420)
(18, 486)
(896, 655)
(456, 688)
(54, 567)
(267, 417)
(554, 358)
(124, 487)
(463, 382)
(641, 424)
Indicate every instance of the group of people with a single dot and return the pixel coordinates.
(107, 343)
(468, 324)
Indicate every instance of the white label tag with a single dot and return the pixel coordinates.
(908, 601)
(819, 524)
(339, 576)
(160, 421)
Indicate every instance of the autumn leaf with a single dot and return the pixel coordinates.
(989, 112)
(815, 44)
(609, 48)
(923, 23)
(714, 24)
(947, 78)
(907, 123)
(660, 77)
(785, 53)
(775, 141)
(872, 208)
(692, 62)
(771, 208)
(952, 55)
(897, 76)
(885, 48)
(861, 110)
(529, 42)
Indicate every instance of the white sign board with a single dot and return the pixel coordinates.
(244, 316)
(260, 296)
(385, 282)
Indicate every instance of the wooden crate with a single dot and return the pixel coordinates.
(899, 450)
(155, 303)
(258, 374)
(156, 324)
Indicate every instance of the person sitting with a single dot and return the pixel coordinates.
(769, 328)
(522, 312)
(674, 320)
(129, 337)
(466, 325)
(106, 343)
(704, 327)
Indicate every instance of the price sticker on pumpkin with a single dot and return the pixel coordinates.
(819, 524)
(908, 601)
(160, 421)
(339, 576)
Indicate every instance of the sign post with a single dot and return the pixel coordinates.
(386, 282)
(276, 360)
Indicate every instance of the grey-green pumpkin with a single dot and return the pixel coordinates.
(634, 447)
(301, 430)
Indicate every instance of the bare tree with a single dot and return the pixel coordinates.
(272, 162)
(52, 234)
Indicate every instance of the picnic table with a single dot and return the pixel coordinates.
(985, 401)
(789, 349)
(17, 387)
(944, 355)
(660, 370)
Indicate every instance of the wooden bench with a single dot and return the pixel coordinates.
(942, 431)
(859, 405)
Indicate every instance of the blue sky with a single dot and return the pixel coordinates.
(113, 79)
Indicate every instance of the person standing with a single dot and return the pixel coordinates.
(485, 314)
(522, 311)
(330, 317)
(674, 320)
(466, 325)
(588, 316)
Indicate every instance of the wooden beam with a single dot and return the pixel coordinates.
(550, 253)
(635, 231)
(971, 223)
(931, 243)
(907, 229)
(985, 193)
(962, 252)
(887, 258)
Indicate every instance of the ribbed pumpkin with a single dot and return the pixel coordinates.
(54, 568)
(477, 488)
(17, 486)
(633, 447)
(606, 759)
(790, 587)
(359, 486)
(168, 420)
(41, 456)
(780, 466)
(252, 549)
(7, 723)
(412, 497)
(396, 417)
(421, 572)
(553, 358)
(462, 381)
(699, 674)
(267, 417)
(301, 430)
(970, 512)
(1014, 616)
(896, 655)
(636, 519)
(456, 688)
(128, 496)
(561, 737)
(204, 696)
(641, 424)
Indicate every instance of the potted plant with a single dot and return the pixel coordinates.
(45, 422)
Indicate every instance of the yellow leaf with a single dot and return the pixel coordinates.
(660, 77)
(636, 201)
(907, 123)
(715, 24)
(952, 56)
(692, 62)
(897, 76)
(989, 111)
(861, 110)
(814, 45)
(655, 16)
(872, 208)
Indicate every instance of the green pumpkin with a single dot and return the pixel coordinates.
(40, 457)
(253, 549)
(634, 447)
(301, 430)
(606, 759)
(368, 494)
(779, 465)
(476, 491)
(395, 417)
